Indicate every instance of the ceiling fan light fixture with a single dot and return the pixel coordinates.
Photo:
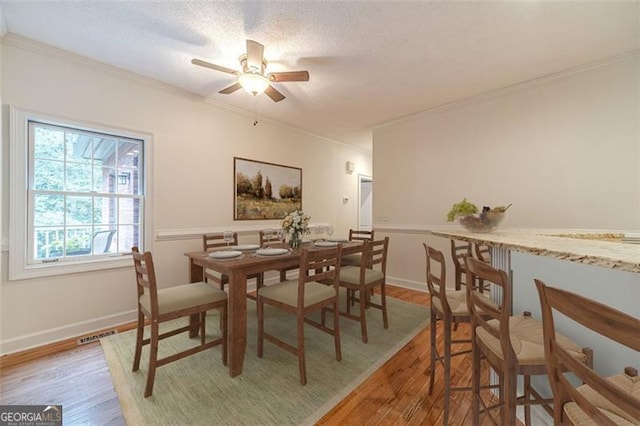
(253, 83)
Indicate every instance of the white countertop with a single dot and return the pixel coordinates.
(609, 252)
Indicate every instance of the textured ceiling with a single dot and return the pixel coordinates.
(370, 62)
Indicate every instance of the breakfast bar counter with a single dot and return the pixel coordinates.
(606, 249)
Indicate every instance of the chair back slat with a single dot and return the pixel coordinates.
(319, 265)
(360, 235)
(145, 276)
(374, 253)
(602, 319)
(216, 240)
(272, 241)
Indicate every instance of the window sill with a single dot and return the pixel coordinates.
(41, 270)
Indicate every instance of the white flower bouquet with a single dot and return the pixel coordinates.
(295, 224)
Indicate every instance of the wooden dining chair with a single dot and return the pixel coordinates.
(361, 280)
(512, 345)
(307, 294)
(167, 304)
(600, 400)
(215, 241)
(275, 241)
(356, 235)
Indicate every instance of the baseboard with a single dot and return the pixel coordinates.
(73, 331)
(411, 285)
(16, 358)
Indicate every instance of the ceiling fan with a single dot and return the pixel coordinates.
(252, 77)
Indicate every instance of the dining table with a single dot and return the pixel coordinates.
(237, 269)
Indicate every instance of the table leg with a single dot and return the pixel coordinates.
(196, 274)
(237, 321)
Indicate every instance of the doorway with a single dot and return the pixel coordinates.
(365, 203)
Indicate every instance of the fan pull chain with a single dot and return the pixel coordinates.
(255, 111)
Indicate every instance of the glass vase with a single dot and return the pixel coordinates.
(295, 240)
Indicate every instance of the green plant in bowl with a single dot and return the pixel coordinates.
(467, 215)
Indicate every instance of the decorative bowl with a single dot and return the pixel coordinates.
(481, 222)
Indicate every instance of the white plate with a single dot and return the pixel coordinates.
(246, 247)
(325, 243)
(271, 251)
(225, 254)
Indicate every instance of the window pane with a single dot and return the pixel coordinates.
(104, 179)
(129, 211)
(104, 151)
(48, 175)
(48, 143)
(128, 181)
(79, 211)
(48, 210)
(128, 154)
(104, 241)
(104, 210)
(78, 241)
(128, 236)
(78, 148)
(48, 242)
(78, 177)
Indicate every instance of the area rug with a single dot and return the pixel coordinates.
(198, 390)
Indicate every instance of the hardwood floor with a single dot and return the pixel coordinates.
(79, 379)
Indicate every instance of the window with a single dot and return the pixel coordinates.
(79, 204)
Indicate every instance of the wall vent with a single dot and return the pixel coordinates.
(94, 337)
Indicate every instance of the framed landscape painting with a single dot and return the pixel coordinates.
(265, 190)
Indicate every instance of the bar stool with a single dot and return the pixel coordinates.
(482, 253)
(512, 345)
(603, 401)
(449, 306)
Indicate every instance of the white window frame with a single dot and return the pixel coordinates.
(19, 266)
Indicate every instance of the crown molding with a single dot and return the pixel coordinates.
(629, 56)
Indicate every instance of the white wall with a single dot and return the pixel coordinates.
(564, 150)
(194, 144)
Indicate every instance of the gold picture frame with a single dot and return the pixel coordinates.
(265, 190)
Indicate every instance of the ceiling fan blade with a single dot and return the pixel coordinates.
(206, 64)
(255, 52)
(274, 94)
(230, 89)
(289, 76)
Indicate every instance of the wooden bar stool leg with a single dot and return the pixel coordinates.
(447, 368)
(433, 325)
(475, 380)
(527, 398)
